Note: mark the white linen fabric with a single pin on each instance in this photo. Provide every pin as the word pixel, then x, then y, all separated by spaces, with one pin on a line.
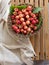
pixel 22 50
pixel 13 52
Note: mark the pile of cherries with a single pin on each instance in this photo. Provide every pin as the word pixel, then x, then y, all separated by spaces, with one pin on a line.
pixel 24 21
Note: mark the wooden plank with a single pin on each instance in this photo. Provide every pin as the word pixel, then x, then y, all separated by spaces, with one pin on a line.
pixel 36 3
pixel 17 2
pixel 37 38
pixel 21 1
pixel 32 41
pixel 42 36
pixel 32 2
pixel 46 29
pixel 26 1
pixel 41 45
pixel 37 45
pixel 12 2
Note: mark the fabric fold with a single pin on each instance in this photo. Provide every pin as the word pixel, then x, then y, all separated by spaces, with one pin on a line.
pixel 6 56
pixel 9 42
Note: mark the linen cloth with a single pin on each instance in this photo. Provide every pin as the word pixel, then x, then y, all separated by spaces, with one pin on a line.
pixel 13 52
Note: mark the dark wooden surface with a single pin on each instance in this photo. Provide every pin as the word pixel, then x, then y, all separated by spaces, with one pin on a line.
pixel 40 62
pixel 45 62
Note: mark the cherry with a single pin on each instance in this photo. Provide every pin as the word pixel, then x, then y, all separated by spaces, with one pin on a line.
pixel 16 10
pixel 23 10
pixel 35 27
pixel 18 21
pixel 33 15
pixel 31 25
pixel 33 22
pixel 37 20
pixel 31 19
pixel 29 29
pixel 14 27
pixel 26 13
pixel 32 31
pixel 12 17
pixel 15 13
pixel 21 15
pixel 22 30
pixel 25 32
pixel 18 30
pixel 22 19
pixel 27 22
pixel 29 8
pixel 17 17
pixel 19 12
pixel 27 16
pixel 29 12
pixel 23 23
pixel 25 27
pixel 13 21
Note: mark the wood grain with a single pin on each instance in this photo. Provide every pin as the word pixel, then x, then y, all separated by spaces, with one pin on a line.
pixel 37 38
pixel 46 29
pixel 21 1
pixel 42 35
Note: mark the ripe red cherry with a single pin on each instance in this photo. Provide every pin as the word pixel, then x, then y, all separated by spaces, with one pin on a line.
pixel 19 12
pixel 14 27
pixel 15 13
pixel 16 10
pixel 29 12
pixel 28 19
pixel 23 23
pixel 31 25
pixel 33 22
pixel 18 30
pixel 37 20
pixel 17 17
pixel 26 13
pixel 25 32
pixel 18 22
pixel 31 19
pixel 13 21
pixel 35 27
pixel 21 15
pixel 12 17
pixel 27 22
pixel 29 29
pixel 33 15
pixel 27 16
pixel 25 27
pixel 32 31
pixel 22 30
pixel 29 8
pixel 20 26
pixel 22 19
pixel 23 10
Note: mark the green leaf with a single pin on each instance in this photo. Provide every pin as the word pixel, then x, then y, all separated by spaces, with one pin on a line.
pixel 21 7
pixel 40 23
pixel 37 9
pixel 12 9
